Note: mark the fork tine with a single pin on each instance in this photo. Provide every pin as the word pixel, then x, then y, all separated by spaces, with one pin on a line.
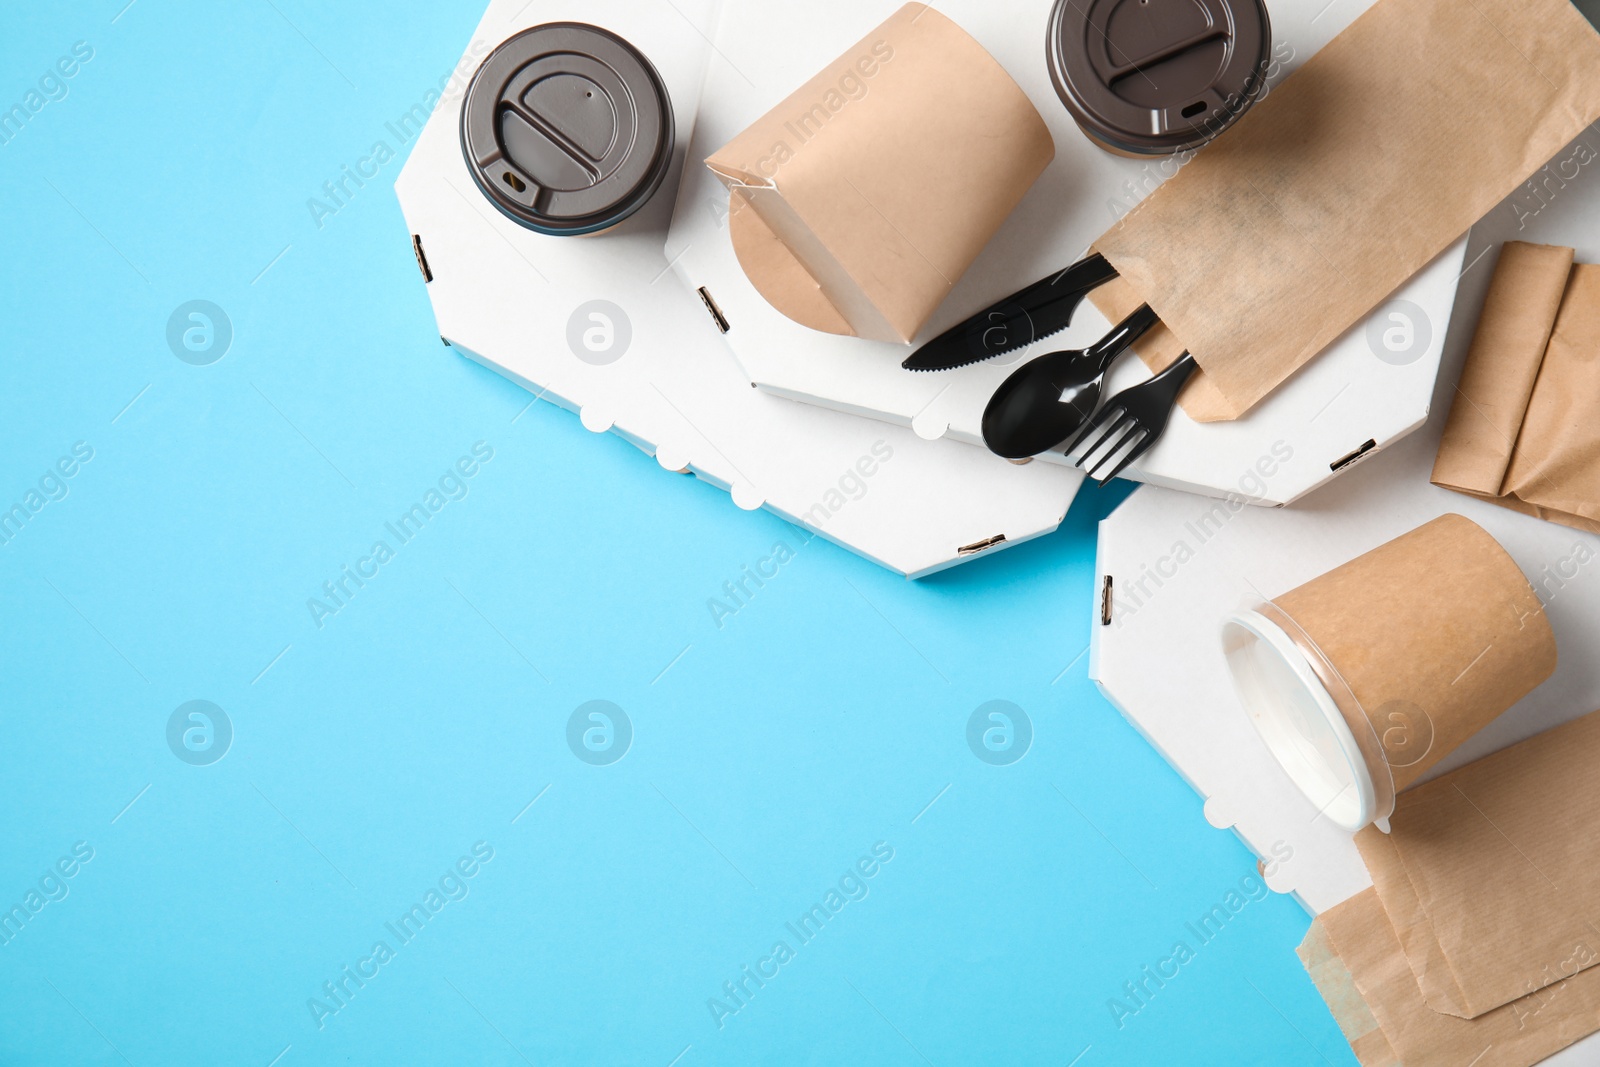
pixel 1131 437
pixel 1110 420
pixel 1139 448
pixel 1140 413
pixel 1089 426
pixel 1119 431
pixel 1098 420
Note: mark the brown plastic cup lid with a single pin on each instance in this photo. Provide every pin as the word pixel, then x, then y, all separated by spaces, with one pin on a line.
pixel 1155 76
pixel 567 128
pixel 1589 9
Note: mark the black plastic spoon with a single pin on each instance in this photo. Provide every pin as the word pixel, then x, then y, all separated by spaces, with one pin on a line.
pixel 1048 399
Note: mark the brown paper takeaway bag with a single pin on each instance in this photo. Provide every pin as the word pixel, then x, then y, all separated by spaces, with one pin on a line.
pixel 860 200
pixel 1485 896
pixel 1354 959
pixel 1348 178
pixel 1491 874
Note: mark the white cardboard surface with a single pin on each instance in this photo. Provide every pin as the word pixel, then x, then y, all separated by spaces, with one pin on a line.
pixel 1333 407
pixel 506 296
pixel 1180 563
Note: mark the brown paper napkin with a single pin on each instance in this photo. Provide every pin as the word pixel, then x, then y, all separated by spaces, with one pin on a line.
pixel 1496 384
pixel 1357 964
pixel 1479 906
pixel 1331 975
pixel 1557 463
pixel 1524 431
pixel 1491 874
pixel 1353 174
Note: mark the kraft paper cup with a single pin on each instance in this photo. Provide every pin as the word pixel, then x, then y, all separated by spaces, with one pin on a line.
pixel 1363 679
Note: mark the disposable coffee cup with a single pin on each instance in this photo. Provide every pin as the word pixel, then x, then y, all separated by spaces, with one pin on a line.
pixel 567 129
pixel 1154 77
pixel 1362 680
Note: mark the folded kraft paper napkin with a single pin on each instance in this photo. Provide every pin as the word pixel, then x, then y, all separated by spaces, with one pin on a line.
pixel 860 200
pixel 1348 178
pixel 1524 430
pixel 1357 965
pixel 1491 874
pixel 1478 940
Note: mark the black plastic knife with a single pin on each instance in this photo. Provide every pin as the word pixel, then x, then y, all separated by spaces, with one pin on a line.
pixel 1043 308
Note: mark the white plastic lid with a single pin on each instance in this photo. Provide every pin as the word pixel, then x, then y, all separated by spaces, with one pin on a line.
pixel 1298 719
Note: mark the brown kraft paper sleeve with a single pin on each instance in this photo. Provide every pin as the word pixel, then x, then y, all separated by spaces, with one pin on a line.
pixel 1502 365
pixel 1356 939
pixel 1436 633
pixel 1159 349
pixel 1349 177
pixel 1491 874
pixel 1400 902
pixel 1338 988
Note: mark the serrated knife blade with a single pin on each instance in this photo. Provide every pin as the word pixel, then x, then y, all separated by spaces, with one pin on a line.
pixel 1046 307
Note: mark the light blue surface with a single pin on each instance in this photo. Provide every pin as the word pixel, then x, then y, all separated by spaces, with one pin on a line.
pixel 371 754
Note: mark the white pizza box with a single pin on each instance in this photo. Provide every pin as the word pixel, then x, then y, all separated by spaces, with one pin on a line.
pixel 652 368
pixel 1350 401
pixel 1178 564
pixel 1160 660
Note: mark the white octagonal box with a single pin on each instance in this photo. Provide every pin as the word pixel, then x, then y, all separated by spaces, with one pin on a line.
pixel 600 325
pixel 1171 566
pixel 1354 400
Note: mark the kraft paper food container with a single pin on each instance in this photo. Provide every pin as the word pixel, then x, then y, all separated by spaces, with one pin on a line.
pixel 567 129
pixel 860 200
pixel 1154 77
pixel 1363 679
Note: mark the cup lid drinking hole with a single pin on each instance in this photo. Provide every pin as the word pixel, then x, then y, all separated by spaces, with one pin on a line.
pixel 567 128
pixel 1154 76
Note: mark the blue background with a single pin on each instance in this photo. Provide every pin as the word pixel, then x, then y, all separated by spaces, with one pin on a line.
pixel 369 755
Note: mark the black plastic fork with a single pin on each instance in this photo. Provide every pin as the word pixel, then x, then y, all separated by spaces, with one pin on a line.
pixel 1133 420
